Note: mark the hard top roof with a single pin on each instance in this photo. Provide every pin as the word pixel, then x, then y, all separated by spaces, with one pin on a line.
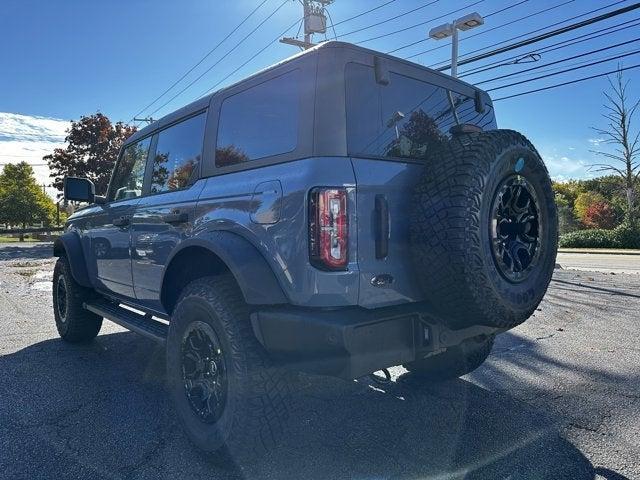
pixel 203 102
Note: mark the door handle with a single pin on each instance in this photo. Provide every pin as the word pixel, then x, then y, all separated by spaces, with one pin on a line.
pixel 121 221
pixel 176 217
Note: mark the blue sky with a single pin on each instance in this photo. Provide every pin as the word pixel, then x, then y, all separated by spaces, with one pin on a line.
pixel 65 58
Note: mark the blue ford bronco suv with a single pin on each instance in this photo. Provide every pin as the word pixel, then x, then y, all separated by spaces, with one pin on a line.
pixel 340 212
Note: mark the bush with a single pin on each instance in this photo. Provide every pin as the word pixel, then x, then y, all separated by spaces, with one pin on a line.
pixel 623 236
pixel 627 235
pixel 596 238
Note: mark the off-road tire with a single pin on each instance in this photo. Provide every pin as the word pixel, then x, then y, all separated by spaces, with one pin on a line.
pixel 259 392
pixel 450 234
pixel 453 362
pixel 75 324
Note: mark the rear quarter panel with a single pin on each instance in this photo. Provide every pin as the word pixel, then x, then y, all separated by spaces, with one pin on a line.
pixel 277 224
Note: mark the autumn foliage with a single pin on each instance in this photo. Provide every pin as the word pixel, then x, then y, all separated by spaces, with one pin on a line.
pixel 93 143
pixel 600 215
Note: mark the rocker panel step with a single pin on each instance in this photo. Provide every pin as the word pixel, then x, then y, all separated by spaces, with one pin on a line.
pixel 142 324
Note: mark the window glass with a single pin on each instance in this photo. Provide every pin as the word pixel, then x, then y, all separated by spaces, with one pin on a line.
pixel 177 154
pixel 129 174
pixel 407 118
pixel 259 122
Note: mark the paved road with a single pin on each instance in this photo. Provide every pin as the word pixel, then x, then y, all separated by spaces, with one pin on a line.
pixel 598 262
pixel 559 398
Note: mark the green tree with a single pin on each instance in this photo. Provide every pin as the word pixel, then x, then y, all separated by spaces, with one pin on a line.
pixel 22 201
pixel 93 144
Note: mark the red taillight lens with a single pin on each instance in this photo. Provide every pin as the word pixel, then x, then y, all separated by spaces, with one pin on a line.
pixel 328 228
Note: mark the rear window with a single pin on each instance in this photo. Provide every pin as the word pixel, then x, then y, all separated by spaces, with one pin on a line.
pixel 407 118
pixel 259 122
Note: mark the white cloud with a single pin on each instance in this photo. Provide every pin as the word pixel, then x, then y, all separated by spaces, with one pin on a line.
pixel 562 168
pixel 29 138
pixel 595 141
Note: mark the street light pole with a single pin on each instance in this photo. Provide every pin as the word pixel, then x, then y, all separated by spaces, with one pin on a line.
pixel 454 53
pixel 451 30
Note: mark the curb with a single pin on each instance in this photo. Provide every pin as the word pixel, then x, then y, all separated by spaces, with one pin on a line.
pixel 605 251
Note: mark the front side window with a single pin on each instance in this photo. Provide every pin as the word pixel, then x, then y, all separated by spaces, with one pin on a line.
pixel 259 122
pixel 129 174
pixel 178 154
pixel 408 118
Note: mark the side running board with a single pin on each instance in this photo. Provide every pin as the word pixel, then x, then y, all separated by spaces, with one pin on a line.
pixel 142 324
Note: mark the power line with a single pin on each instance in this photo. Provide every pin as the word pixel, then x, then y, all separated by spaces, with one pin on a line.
pixel 570 82
pixel 563 71
pixel 543 36
pixel 30 164
pixel 559 61
pixel 509 7
pixel 20 156
pixel 418 24
pixel 197 64
pixel 388 19
pixel 363 13
pixel 485 16
pixel 221 58
pixel 550 48
pixel 573 64
pixel 506 24
pixel 252 58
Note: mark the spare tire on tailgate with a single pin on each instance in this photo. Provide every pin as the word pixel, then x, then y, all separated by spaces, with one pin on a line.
pixel 484 229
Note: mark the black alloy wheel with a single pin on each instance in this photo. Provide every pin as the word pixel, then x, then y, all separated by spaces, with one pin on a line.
pixel 204 372
pixel 61 299
pixel 515 228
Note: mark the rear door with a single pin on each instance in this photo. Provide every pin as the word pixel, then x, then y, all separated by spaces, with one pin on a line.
pixel 109 232
pixel 395 130
pixel 164 217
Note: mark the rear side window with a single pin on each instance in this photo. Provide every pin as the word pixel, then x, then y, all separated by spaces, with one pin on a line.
pixel 129 173
pixel 408 118
pixel 178 154
pixel 259 122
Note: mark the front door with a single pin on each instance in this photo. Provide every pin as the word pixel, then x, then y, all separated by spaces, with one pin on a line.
pixel 164 218
pixel 110 234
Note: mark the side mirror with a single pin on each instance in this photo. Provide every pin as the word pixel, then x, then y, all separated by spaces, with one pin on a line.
pixel 79 189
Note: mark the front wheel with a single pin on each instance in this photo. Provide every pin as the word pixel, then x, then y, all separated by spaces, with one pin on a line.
pixel 75 324
pixel 226 391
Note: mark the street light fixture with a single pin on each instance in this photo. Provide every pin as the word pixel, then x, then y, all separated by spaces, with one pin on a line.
pixel 451 30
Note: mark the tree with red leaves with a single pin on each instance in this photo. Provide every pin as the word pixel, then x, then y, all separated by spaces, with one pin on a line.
pixel 600 215
pixel 93 143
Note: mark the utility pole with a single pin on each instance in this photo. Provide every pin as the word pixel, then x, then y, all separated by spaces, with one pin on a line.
pixel 315 21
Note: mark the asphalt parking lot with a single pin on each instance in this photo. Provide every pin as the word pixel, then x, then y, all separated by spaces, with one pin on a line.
pixel 558 398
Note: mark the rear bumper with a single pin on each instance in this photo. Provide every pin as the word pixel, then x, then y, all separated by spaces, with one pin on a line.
pixel 352 342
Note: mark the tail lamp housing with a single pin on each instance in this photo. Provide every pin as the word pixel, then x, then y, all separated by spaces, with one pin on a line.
pixel 328 228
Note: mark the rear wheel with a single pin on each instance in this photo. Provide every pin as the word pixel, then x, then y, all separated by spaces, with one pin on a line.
pixel 453 362
pixel 226 391
pixel 75 324
pixel 484 230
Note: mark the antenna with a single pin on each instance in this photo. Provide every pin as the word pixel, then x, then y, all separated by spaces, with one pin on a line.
pixel 315 21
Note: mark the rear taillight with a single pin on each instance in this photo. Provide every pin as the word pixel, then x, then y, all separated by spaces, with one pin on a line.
pixel 328 228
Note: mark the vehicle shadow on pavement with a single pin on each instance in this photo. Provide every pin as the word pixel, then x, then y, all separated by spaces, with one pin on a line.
pixel 100 411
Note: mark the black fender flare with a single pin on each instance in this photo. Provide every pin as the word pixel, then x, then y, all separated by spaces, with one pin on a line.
pixel 69 245
pixel 255 277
